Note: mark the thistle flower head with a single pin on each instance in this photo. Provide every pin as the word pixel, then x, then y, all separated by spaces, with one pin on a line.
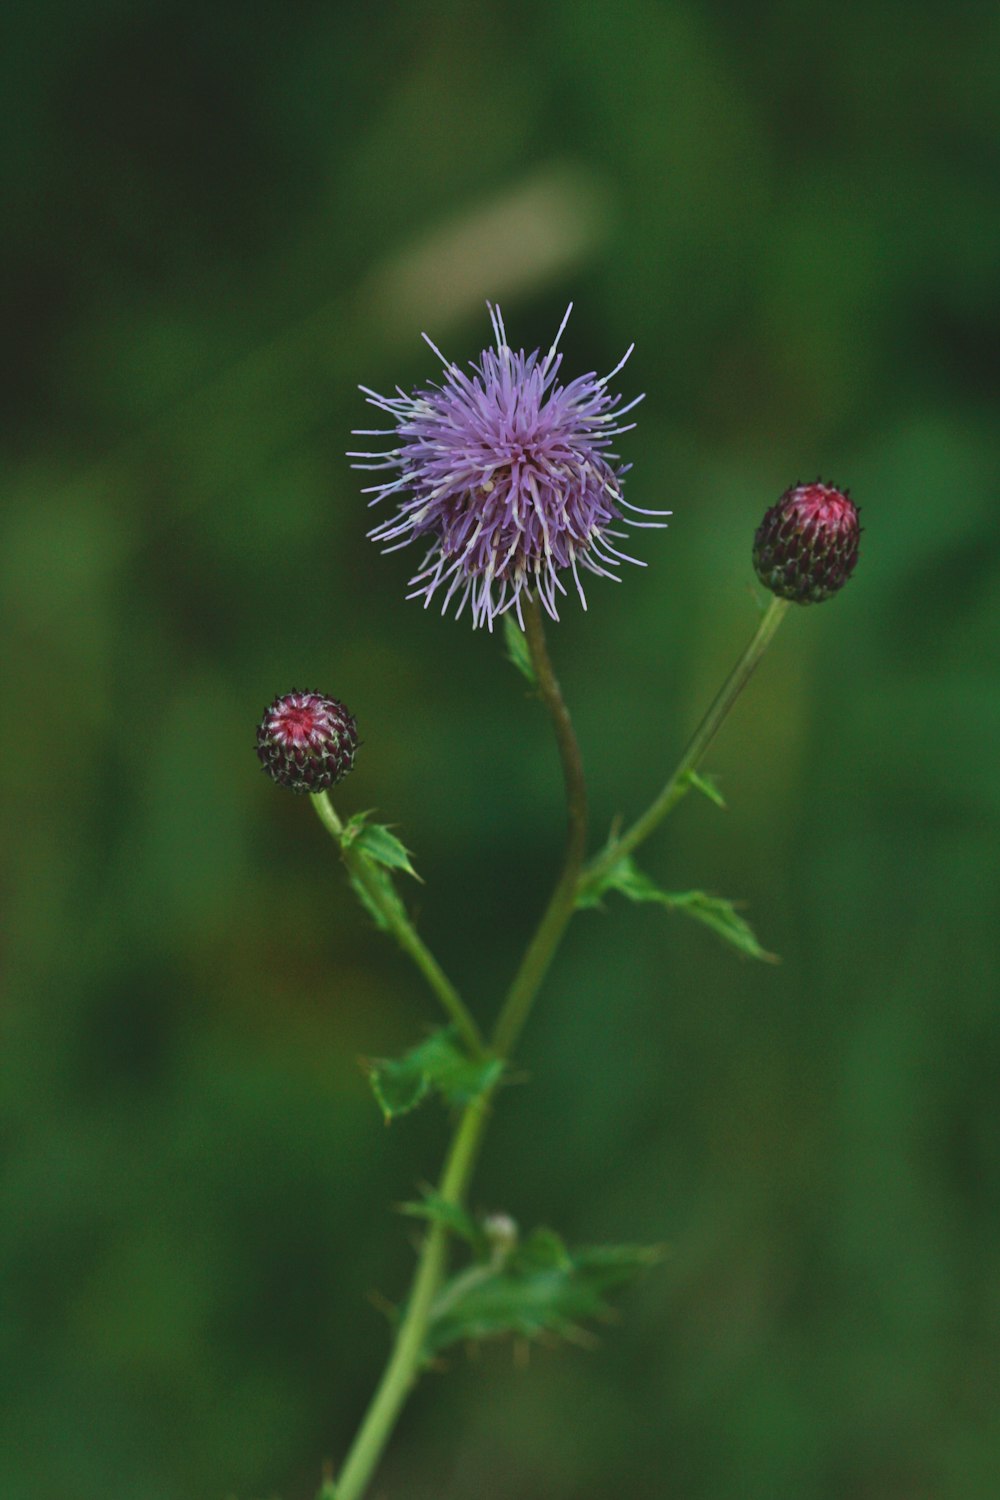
pixel 509 477
pixel 306 741
pixel 806 547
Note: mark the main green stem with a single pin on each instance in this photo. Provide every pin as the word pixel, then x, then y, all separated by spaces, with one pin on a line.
pixel 699 742
pixel 402 929
pixel 401 1372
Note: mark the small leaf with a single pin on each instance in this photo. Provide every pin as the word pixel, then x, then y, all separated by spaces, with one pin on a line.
pixel 539 1288
pixel 397 1089
pixel 378 841
pixel 381 844
pixel 724 920
pixel 714 911
pixel 353 827
pixel 451 1216
pixel 706 785
pixel 543 1247
pixel 437 1065
pixel 517 648
pixel 626 877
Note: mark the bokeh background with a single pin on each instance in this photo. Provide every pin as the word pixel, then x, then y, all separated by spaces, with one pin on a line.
pixel 218 220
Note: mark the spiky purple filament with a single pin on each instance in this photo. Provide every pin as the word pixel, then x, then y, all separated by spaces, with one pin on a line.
pixel 510 474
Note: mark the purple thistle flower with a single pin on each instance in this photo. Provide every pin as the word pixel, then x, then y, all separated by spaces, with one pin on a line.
pixel 509 475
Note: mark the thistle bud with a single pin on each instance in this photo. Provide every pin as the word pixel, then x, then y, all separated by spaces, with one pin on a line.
pixel 807 545
pixel 306 741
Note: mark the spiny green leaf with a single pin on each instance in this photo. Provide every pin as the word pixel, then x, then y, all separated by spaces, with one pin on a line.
pixel 713 911
pixel 451 1216
pixel 397 1089
pixel 626 877
pixel 353 826
pixel 540 1288
pixel 437 1065
pixel 517 648
pixel 378 841
pixel 381 844
pixel 706 785
pixel 542 1249
pixel 724 920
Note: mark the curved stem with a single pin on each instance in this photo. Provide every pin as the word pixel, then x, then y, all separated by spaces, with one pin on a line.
pixel 540 951
pixel 393 914
pixel 679 782
pixel 407 1355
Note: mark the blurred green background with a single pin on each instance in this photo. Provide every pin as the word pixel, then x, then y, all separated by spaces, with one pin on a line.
pixel 218 221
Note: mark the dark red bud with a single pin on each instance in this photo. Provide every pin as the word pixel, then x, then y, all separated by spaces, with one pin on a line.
pixel 806 547
pixel 306 741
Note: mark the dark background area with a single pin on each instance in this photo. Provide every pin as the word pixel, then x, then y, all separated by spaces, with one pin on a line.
pixel 217 222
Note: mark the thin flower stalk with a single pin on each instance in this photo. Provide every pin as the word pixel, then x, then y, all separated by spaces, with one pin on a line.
pixel 680 782
pixel 398 923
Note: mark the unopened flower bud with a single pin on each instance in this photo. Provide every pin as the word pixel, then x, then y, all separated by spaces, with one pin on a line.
pixel 807 545
pixel 306 741
pixel 502 1232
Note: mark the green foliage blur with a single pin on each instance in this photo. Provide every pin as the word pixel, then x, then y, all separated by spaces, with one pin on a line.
pixel 218 221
